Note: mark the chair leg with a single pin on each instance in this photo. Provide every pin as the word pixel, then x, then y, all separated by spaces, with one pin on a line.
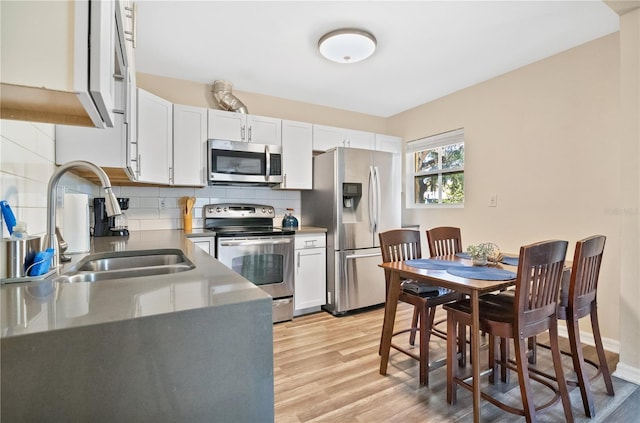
pixel 462 344
pixel 452 370
pixel 523 379
pixel 414 324
pixel 424 345
pixel 604 367
pixel 504 357
pixel 533 350
pixel 557 364
pixel 578 365
pixel 492 359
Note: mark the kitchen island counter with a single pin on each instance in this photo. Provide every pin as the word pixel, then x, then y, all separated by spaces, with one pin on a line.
pixel 187 346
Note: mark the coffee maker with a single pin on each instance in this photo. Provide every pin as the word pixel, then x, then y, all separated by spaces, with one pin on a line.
pixel 109 225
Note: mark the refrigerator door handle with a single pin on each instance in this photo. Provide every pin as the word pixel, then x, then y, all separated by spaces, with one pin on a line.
pixel 372 181
pixel 352 256
pixel 377 199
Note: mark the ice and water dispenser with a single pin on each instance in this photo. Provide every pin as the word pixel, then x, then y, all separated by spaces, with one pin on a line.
pixel 351 194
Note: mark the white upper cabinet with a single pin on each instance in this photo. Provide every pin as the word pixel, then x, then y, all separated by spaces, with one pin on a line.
pixel 327 137
pixel 189 142
pixel 155 138
pixel 54 69
pixel 389 143
pixel 228 126
pixel 113 148
pixel 264 130
pixel 233 126
pixel 297 155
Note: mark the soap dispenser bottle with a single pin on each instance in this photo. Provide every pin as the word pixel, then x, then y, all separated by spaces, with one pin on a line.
pixel 289 220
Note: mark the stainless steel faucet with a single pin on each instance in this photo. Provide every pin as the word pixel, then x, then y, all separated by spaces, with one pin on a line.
pixel 111 202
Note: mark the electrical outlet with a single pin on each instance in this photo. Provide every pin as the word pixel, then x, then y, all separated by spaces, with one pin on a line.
pixel 162 203
pixel 493 200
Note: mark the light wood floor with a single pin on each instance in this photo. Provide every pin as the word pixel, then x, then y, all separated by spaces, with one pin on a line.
pixel 326 370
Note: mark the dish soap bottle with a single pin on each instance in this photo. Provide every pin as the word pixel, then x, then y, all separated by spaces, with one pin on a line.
pixel 19 231
pixel 289 220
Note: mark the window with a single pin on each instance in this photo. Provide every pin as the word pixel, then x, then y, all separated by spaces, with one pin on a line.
pixel 435 170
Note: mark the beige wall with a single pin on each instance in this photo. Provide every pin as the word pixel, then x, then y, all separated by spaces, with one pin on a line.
pixel 543 139
pixel 629 365
pixel 198 94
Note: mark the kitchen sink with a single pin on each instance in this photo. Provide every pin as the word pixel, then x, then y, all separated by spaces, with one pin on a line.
pixel 127 264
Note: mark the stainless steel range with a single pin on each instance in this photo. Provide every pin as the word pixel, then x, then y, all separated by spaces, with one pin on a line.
pixel 247 242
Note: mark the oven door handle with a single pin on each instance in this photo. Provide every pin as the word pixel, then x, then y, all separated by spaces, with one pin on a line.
pixel 232 243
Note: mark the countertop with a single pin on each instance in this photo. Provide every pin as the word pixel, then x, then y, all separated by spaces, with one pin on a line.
pixel 192 346
pixel 42 306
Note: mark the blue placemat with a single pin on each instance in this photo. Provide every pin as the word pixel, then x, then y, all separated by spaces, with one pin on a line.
pixel 483 273
pixel 433 264
pixel 511 261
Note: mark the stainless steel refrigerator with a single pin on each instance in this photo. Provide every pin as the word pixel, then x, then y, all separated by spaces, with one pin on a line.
pixel 356 195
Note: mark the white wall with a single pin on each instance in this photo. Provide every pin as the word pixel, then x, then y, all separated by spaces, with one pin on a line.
pixel 27 153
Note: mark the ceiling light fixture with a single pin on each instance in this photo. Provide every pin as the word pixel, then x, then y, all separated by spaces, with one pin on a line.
pixel 347 45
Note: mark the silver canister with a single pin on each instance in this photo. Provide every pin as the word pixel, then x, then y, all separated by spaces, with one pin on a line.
pixel 17 254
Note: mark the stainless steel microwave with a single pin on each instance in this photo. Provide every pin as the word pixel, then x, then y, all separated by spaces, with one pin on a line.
pixel 231 162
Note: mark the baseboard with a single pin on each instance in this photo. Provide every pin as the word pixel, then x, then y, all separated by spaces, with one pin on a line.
pixel 587 338
pixel 628 373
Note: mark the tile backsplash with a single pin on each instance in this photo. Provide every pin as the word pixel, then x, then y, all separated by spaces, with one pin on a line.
pixel 27 158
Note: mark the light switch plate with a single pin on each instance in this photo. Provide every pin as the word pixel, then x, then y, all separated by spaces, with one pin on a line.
pixel 493 200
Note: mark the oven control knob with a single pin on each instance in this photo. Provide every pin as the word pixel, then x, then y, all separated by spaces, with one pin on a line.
pixel 270 211
pixel 225 209
pixel 218 210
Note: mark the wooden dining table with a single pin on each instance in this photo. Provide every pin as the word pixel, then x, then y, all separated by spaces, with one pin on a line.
pixel 474 288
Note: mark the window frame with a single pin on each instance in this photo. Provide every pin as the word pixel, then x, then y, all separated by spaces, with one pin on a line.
pixel 455 136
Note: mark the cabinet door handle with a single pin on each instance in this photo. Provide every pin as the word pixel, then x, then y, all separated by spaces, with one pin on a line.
pixel 250 133
pixel 242 133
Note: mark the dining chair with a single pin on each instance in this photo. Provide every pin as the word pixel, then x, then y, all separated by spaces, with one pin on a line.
pixel 578 299
pixel 444 240
pixel 400 245
pixel 532 312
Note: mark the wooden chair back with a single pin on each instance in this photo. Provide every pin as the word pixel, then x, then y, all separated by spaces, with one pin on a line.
pixel 400 245
pixel 444 240
pixel 540 269
pixel 583 284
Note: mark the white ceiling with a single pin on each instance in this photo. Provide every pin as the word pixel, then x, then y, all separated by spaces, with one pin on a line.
pixel 426 49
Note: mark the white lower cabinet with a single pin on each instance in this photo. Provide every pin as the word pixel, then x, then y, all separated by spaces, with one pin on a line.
pixel 310 272
pixel 206 244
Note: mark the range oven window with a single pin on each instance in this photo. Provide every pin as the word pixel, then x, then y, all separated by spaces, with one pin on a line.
pixel 261 269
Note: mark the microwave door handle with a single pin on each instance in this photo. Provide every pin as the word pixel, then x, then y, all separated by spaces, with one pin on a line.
pixel 268 159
